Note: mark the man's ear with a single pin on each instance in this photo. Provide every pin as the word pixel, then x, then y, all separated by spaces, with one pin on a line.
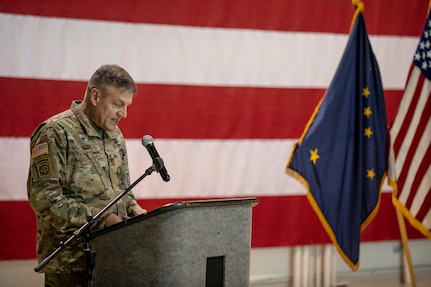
pixel 94 96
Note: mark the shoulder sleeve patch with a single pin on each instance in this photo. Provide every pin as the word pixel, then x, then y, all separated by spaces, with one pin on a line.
pixel 43 168
pixel 40 149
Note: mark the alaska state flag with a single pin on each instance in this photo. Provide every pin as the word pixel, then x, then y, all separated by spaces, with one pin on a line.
pixel 341 155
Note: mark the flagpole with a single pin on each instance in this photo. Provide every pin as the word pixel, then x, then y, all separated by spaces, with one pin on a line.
pixel 406 249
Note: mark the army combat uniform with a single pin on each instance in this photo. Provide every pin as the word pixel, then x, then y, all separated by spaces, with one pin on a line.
pixel 76 169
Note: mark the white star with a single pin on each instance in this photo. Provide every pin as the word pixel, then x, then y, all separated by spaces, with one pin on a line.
pixel 424 65
pixel 417 57
pixel 429 54
pixel 427 44
pixel 422 45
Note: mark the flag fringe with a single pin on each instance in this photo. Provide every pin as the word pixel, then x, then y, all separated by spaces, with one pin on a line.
pixel 405 211
pixel 373 213
pixel 310 121
pixel 326 226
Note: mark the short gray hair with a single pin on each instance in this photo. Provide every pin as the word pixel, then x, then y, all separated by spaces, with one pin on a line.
pixel 111 76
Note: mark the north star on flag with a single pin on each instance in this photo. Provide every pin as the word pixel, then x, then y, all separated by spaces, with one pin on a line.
pixel 341 156
pixel 410 134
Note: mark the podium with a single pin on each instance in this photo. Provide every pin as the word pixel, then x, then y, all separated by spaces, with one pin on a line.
pixel 195 243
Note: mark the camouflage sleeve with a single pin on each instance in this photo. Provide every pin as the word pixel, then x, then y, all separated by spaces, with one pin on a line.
pixel 46 183
pixel 133 208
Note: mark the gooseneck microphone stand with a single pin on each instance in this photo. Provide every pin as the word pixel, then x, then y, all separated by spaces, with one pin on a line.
pixel 84 230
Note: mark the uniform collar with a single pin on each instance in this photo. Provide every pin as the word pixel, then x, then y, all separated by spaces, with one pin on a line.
pixel 89 126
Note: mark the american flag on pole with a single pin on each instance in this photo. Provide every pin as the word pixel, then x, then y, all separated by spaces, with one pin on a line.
pixel 410 158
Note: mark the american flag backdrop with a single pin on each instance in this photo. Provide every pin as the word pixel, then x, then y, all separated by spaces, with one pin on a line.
pixel 225 89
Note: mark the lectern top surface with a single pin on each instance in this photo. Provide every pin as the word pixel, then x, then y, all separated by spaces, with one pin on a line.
pixel 251 201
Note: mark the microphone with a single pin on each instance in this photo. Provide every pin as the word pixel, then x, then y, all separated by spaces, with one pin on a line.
pixel 148 142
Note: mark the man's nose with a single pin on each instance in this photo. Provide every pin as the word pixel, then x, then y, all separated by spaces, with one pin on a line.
pixel 123 112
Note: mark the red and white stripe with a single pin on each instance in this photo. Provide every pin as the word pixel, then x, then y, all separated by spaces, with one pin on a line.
pixel 411 137
pixel 225 89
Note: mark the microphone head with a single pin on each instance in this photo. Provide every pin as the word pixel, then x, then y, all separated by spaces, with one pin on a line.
pixel 147 140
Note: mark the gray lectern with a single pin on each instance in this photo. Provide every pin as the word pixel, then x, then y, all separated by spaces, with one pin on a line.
pixel 184 244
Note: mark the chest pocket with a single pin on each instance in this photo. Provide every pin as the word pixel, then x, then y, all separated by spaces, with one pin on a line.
pixel 108 158
pixel 87 163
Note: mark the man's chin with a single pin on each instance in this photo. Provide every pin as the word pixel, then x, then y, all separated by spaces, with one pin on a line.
pixel 110 128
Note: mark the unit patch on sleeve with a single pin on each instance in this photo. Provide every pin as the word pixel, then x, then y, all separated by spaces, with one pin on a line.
pixel 43 167
pixel 40 149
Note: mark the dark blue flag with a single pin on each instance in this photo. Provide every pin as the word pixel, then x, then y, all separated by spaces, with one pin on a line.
pixel 341 156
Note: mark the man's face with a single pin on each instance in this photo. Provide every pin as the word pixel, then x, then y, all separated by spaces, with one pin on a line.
pixel 110 107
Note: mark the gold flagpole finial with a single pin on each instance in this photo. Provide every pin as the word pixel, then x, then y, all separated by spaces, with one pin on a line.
pixel 359 5
pixel 359 8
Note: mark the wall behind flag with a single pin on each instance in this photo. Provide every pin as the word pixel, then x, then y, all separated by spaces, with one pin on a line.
pixel 225 89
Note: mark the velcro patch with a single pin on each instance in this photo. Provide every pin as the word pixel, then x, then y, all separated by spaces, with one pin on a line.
pixel 43 167
pixel 40 149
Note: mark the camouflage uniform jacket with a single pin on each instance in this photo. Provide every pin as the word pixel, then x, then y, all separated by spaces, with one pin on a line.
pixel 76 169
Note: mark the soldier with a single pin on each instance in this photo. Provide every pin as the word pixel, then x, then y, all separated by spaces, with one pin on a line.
pixel 78 165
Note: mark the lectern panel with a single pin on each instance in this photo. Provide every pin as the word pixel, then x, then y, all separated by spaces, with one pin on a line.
pixel 171 248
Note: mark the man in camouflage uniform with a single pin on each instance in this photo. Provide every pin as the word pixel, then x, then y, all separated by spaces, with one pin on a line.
pixel 78 165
